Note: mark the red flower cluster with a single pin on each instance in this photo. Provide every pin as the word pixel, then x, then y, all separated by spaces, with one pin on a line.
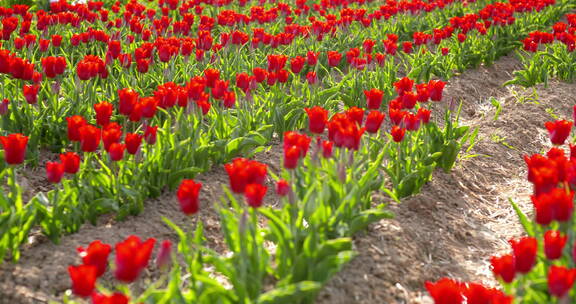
pixel 448 291
pixel 295 147
pixel 131 257
pixel 247 177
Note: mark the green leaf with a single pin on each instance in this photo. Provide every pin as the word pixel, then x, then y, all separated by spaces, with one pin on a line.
pixel 526 223
pixel 290 294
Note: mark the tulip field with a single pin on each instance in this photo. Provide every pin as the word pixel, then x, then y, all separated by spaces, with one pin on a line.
pixel 334 151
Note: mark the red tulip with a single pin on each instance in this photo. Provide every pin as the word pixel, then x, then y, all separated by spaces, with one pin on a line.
pixel 560 280
pixel 150 134
pixel 296 64
pixel 83 279
pixel 150 105
pixel 373 98
pixel 164 255
pixel 244 81
pixel 54 172
pixel 424 115
pixel 229 100
pixel 356 114
pixel 445 291
pixel 504 267
pixel 302 141
pixel 282 187
pixel 132 256
pixel 554 243
pixel 31 93
pixel 128 98
pixel 242 172
pixel 409 100
pixel 291 157
pixel 559 131
pixel 312 78
pixel 525 251
pixel 311 58
pixel 133 142
pixel 56 40
pixel 397 133
pixel 327 148
pixel 318 117
pixel 116 151
pixel 404 85
pixel 435 87
pixel 554 205
pixel 71 162
pixel 334 58
pixel 260 74
pixel 407 47
pixel 89 138
pixel 188 196
pixel 96 254
pixel 103 113
pixel 255 194
pixel 374 121
pixel 74 124
pixel 445 51
pixel 212 75
pixel 14 148
pixel 115 298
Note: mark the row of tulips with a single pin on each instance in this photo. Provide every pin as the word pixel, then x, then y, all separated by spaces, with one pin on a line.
pixel 92 66
pixel 112 183
pixel 549 54
pixel 540 267
pixel 325 188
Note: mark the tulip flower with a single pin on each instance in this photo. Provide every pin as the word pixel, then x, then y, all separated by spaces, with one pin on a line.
pixel 317 117
pixel 282 187
pixel 133 142
pixel 132 256
pixel 525 250
pixel 559 131
pixel 504 267
pixel 128 98
pixel 296 64
pixel 96 254
pixel 327 147
pixel 14 148
pixel 116 151
pixel 150 134
pixel 71 162
pixel 374 121
pixel 115 298
pixel 435 87
pixel 164 255
pixel 31 93
pixel 255 194
pixel 83 279
pixel 312 78
pixel 560 280
pixel 291 157
pixel 554 243
pixel 397 133
pixel 54 172
pixel 242 172
pixel 404 85
pixel 103 113
pixel 334 58
pixel 373 98
pixel 89 138
pixel 188 196
pixel 445 291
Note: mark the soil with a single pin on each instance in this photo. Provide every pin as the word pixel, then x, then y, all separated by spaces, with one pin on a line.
pixel 451 228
